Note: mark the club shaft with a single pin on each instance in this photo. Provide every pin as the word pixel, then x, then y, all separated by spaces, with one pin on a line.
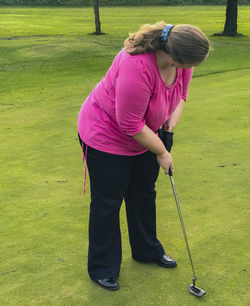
pixel 182 223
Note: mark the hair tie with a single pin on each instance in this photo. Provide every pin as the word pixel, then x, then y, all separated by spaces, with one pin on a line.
pixel 165 32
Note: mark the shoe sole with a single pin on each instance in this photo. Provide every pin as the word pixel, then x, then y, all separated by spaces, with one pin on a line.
pixel 106 287
pixel 166 266
pixel 109 288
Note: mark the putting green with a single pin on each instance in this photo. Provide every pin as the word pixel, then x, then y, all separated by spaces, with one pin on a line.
pixel 48 65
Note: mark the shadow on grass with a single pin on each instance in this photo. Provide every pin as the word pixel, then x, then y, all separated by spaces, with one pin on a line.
pixel 229 35
pixel 97 34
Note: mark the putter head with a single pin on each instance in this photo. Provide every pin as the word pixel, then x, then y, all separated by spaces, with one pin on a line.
pixel 196 291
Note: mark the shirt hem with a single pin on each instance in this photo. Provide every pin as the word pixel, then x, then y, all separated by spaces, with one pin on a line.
pixel 117 151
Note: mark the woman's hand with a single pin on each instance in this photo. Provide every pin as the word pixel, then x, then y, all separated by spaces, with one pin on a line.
pixel 148 139
pixel 165 161
pixel 167 138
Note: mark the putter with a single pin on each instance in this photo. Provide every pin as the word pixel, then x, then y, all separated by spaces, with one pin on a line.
pixel 192 288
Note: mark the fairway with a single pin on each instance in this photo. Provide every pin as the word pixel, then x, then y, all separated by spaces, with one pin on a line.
pixel 48 65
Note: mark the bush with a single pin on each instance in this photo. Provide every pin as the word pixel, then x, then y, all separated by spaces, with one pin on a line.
pixel 115 2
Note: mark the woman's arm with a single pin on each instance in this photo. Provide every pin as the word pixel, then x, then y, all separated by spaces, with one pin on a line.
pixel 148 139
pixel 171 123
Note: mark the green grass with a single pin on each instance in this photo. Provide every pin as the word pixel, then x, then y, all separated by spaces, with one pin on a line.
pixel 48 65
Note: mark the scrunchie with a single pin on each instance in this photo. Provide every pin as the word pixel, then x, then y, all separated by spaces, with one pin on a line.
pixel 165 32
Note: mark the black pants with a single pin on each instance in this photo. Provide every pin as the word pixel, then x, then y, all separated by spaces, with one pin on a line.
pixel 112 179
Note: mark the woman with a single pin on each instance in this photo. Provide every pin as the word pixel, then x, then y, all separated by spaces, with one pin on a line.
pixel 144 89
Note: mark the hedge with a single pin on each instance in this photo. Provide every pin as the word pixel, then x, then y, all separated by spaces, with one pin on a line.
pixel 114 2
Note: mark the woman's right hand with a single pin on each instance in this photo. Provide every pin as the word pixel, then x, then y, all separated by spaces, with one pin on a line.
pixel 165 161
pixel 148 139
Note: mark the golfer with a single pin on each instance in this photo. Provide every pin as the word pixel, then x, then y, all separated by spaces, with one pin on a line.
pixel 144 89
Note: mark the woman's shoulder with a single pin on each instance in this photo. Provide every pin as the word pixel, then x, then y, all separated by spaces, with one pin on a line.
pixel 135 67
pixel 187 73
pixel 143 62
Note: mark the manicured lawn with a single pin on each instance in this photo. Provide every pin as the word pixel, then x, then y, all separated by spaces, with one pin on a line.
pixel 48 65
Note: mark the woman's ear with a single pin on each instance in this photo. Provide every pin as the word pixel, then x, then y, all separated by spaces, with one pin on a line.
pixel 172 61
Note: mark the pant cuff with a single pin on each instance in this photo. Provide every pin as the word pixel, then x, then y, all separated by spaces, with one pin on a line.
pixel 148 257
pixel 103 274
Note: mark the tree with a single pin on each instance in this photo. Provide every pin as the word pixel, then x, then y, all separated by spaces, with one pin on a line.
pixel 230 27
pixel 97 18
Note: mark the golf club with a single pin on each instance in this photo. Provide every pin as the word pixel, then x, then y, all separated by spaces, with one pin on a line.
pixel 192 288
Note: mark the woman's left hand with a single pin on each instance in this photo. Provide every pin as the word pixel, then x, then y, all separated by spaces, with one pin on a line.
pixel 167 138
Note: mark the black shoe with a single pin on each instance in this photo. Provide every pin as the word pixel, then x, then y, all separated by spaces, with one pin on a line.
pixel 166 261
pixel 108 283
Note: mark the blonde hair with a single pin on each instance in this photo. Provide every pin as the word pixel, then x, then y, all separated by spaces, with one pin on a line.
pixel 186 44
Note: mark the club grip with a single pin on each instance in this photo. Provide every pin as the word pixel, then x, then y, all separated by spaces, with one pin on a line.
pixel 170 173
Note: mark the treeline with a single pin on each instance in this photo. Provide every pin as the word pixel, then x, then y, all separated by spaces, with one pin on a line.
pixel 114 2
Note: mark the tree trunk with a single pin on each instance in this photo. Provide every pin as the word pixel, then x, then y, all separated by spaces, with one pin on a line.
pixel 230 27
pixel 97 18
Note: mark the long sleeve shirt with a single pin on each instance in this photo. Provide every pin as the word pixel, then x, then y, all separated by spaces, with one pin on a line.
pixel 131 95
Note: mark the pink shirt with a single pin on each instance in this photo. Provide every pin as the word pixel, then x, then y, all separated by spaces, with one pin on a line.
pixel 131 95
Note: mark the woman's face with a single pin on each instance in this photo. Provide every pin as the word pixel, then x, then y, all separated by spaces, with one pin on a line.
pixel 185 66
pixel 188 66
